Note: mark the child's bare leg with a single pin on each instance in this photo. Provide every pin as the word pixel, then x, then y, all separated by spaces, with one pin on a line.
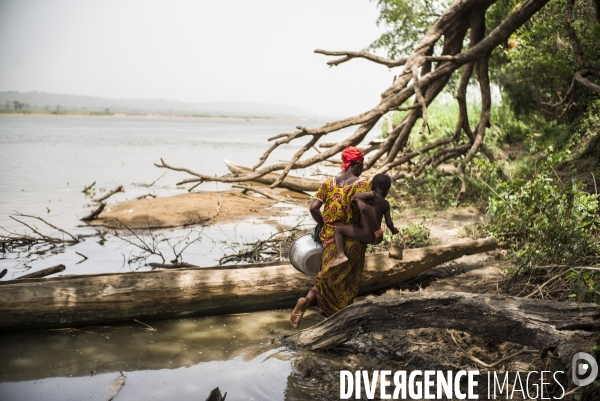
pixel 339 243
pixel 300 308
pixel 363 234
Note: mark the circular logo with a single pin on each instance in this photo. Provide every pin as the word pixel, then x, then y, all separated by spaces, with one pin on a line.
pixel 584 364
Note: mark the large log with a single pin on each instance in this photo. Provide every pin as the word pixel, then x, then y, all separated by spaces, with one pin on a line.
pixel 105 298
pixel 564 327
pixel 291 182
pixel 538 323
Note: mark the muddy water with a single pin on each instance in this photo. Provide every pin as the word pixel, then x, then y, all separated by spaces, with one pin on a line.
pixel 179 359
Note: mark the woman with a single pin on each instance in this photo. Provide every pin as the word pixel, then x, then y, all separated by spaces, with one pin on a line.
pixel 337 286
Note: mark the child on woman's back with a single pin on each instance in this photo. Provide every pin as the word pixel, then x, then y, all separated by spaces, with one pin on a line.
pixel 373 207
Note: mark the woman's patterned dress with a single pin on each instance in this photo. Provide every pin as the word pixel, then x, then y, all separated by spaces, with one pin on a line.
pixel 336 287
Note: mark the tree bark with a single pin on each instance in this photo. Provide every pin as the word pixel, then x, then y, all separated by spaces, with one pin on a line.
pixel 104 298
pixel 546 325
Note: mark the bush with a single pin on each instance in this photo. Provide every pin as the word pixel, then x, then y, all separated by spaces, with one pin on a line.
pixel 416 234
pixel 550 222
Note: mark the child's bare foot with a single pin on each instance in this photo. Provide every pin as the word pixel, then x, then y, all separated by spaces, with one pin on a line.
pixel 339 260
pixel 298 312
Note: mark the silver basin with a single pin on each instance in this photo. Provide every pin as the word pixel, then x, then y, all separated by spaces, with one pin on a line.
pixel 306 255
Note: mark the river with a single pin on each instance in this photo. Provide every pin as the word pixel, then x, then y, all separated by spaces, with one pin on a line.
pixel 45 162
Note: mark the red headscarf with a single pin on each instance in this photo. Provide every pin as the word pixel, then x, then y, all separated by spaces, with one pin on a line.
pixel 350 155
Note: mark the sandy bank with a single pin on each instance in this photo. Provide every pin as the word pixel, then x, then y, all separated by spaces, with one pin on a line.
pixel 184 210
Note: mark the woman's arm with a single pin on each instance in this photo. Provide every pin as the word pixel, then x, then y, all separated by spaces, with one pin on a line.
pixel 388 220
pixel 315 211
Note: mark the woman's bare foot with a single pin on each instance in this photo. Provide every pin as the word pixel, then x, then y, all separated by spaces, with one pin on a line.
pixel 298 312
pixel 339 260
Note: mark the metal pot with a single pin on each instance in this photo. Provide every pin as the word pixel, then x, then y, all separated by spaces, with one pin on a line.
pixel 306 255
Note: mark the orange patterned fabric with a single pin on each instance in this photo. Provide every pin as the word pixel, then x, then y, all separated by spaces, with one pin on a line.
pixel 336 287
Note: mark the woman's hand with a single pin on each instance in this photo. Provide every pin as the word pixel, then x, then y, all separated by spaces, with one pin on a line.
pixel 394 230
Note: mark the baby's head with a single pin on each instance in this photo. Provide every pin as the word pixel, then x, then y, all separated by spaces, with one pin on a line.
pixel 381 184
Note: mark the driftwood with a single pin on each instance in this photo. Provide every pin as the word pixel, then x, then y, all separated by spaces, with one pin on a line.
pixel 86 189
pixel 44 272
pixel 215 395
pixel 291 182
pixel 109 194
pixel 45 237
pixel 264 192
pixel 104 298
pixel 566 327
pixel 95 213
pixel 3 272
pixel 171 265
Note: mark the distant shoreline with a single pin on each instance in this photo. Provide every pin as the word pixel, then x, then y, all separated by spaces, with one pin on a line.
pixel 4 112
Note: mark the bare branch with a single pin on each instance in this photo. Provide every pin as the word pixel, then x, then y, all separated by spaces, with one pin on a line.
pixel 45 237
pixel 574 40
pixel 579 77
pixel 109 194
pixel 451 26
pixel 349 55
pixel 419 97
pixel 294 159
pixel 51 225
pixel 86 189
pixel 95 213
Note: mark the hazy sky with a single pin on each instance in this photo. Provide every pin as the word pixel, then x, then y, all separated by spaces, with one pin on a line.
pixel 194 51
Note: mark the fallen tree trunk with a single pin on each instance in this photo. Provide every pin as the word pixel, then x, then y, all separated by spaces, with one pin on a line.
pixel 105 298
pixel 547 325
pixel 290 182
pixel 44 272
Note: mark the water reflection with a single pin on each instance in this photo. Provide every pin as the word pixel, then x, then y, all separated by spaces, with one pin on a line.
pixel 177 359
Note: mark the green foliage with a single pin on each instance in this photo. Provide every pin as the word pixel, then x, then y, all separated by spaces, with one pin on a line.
pixel 552 223
pixel 585 286
pixel 407 21
pixel 475 230
pixel 416 234
pixel 507 126
pixel 433 188
pixel 538 63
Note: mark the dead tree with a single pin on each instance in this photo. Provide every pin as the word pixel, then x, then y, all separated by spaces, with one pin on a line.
pixel 561 327
pixel 422 77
